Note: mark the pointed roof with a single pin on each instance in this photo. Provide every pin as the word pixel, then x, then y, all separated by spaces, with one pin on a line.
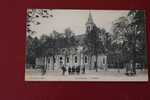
pixel 90 19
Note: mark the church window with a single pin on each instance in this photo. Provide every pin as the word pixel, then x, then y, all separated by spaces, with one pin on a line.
pixel 75 59
pixel 103 60
pixel 67 59
pixel 89 28
pixel 54 59
pixel 85 59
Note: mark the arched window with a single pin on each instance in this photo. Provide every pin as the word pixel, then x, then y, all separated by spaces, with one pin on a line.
pixel 85 59
pixel 54 59
pixel 60 60
pixel 67 59
pixel 76 59
pixel 104 61
pixel 89 28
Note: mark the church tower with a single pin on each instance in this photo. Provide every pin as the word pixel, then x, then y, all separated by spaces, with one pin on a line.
pixel 90 23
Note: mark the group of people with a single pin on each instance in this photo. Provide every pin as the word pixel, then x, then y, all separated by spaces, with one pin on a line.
pixel 73 70
pixel 130 70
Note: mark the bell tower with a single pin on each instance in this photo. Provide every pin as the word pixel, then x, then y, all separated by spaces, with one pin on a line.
pixel 89 24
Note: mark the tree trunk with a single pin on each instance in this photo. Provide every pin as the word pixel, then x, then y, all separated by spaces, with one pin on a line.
pixel 53 62
pixel 90 58
pixel 134 55
pixel 45 63
pixel 96 67
pixel 118 65
pixel 134 67
pixel 65 60
pixel 80 59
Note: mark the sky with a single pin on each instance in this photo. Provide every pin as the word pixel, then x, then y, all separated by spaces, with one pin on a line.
pixel 76 19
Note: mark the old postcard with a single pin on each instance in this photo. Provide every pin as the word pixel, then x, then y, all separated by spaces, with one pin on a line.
pixel 86 45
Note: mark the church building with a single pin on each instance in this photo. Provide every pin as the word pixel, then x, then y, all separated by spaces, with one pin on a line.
pixel 76 56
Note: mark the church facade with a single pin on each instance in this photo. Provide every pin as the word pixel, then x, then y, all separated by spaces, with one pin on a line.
pixel 75 57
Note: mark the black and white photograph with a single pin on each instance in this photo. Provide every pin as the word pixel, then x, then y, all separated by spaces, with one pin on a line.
pixel 86 45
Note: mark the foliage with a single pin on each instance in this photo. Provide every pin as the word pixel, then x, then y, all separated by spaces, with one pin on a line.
pixel 32 18
pixel 129 37
pixel 96 43
pixel 51 45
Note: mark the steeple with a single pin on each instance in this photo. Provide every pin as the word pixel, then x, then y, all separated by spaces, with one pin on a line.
pixel 89 23
pixel 90 19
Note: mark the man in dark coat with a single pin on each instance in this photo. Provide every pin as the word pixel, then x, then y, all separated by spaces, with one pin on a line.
pixel 83 69
pixel 63 70
pixel 78 69
pixel 43 70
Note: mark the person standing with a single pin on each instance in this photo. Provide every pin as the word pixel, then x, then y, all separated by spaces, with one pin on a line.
pixel 63 70
pixel 127 68
pixel 78 70
pixel 83 69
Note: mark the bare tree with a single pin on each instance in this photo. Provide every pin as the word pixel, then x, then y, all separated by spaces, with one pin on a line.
pixel 32 18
